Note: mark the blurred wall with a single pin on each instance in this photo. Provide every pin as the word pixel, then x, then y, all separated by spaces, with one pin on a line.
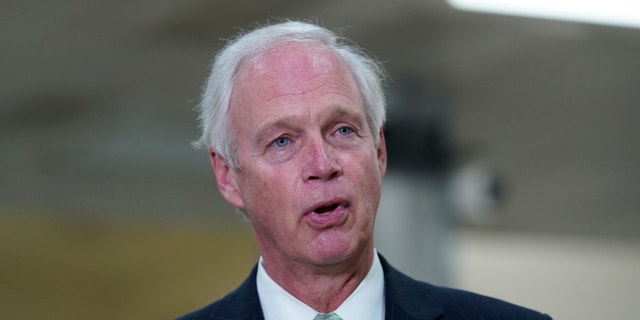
pixel 99 187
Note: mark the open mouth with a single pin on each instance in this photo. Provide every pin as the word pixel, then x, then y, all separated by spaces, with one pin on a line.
pixel 328 214
pixel 326 209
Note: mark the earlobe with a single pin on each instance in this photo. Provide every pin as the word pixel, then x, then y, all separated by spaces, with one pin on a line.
pixel 226 179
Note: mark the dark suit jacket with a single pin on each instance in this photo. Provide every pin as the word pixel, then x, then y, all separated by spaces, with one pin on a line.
pixel 405 299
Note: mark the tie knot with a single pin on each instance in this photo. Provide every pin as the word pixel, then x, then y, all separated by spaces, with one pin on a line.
pixel 327 316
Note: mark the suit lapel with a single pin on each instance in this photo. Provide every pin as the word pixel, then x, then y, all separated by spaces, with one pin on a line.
pixel 403 298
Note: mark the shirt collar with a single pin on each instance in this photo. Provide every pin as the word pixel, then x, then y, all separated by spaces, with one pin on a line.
pixel 366 302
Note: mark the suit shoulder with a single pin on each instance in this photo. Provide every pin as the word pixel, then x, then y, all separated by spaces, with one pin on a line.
pixel 235 305
pixel 415 297
pixel 472 305
pixel 201 314
pixel 242 303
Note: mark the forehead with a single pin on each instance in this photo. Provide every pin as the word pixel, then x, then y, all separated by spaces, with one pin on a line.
pixel 290 59
pixel 294 68
pixel 292 76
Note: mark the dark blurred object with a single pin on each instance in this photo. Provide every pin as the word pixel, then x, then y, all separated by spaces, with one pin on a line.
pixel 417 130
pixel 430 184
pixel 419 143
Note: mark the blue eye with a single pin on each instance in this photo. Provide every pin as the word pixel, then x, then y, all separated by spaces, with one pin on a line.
pixel 345 131
pixel 281 142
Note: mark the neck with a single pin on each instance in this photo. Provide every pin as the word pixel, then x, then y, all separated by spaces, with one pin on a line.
pixel 324 288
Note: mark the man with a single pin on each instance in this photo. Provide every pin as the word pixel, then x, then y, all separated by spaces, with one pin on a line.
pixel 293 120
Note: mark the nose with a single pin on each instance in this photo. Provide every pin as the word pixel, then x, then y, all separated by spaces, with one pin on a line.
pixel 321 162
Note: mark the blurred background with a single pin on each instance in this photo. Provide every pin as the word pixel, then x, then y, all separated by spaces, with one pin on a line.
pixel 514 161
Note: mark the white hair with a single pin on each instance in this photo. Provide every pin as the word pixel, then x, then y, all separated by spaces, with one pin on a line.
pixel 214 104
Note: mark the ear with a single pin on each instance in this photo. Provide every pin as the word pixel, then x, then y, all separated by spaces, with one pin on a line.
pixel 226 177
pixel 382 153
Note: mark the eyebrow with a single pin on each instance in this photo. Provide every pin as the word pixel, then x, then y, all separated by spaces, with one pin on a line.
pixel 286 121
pixel 278 123
pixel 342 112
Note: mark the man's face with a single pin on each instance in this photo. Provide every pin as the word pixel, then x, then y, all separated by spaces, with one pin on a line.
pixel 310 173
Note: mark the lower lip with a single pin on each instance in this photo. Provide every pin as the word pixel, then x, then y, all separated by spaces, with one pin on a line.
pixel 327 220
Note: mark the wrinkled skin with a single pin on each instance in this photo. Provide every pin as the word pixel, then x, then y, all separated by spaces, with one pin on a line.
pixel 310 172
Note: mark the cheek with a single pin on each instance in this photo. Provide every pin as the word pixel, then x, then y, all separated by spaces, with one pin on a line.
pixel 265 194
pixel 370 180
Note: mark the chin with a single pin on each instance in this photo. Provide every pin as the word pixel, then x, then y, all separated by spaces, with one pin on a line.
pixel 333 251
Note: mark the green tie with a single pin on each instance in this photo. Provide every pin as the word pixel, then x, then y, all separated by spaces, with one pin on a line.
pixel 327 316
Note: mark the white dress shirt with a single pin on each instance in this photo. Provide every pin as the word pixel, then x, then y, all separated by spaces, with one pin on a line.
pixel 366 302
